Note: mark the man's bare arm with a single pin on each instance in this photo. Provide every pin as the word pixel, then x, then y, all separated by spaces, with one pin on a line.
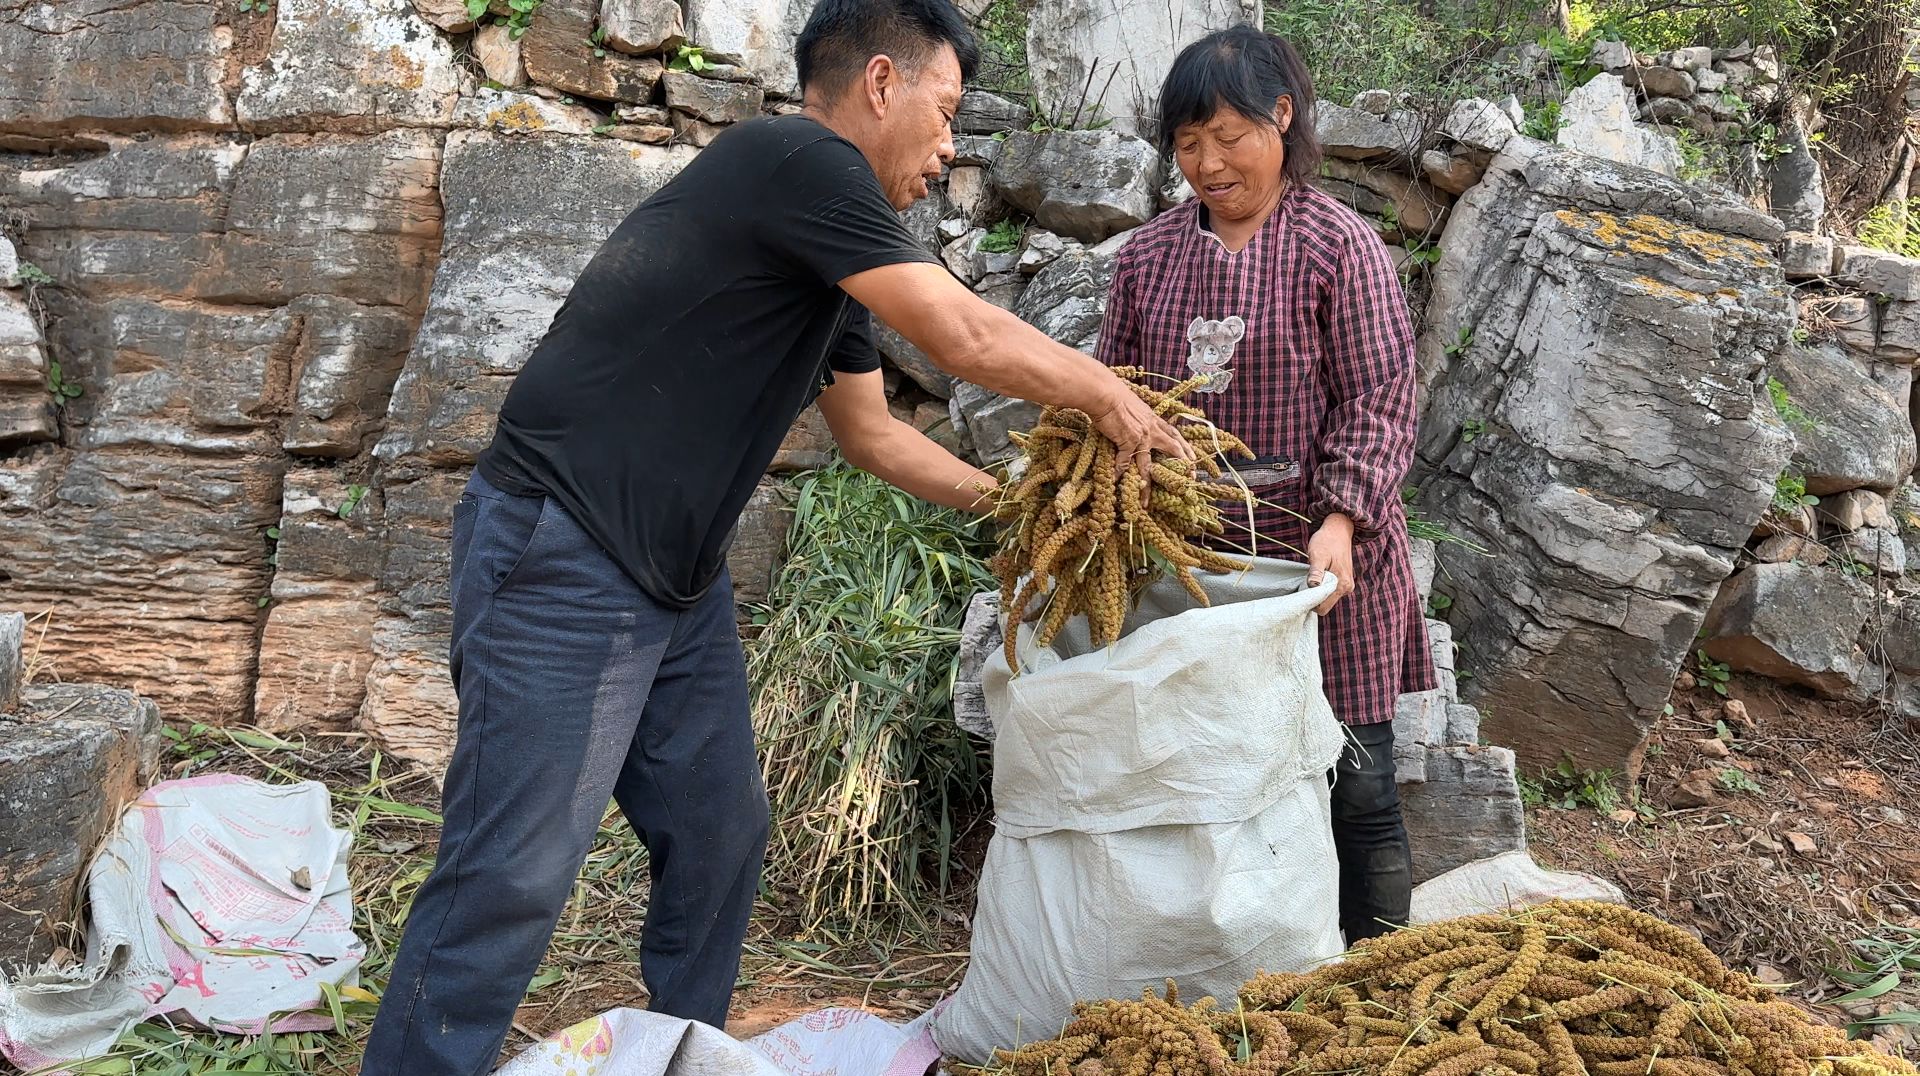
pixel 972 339
pixel 855 406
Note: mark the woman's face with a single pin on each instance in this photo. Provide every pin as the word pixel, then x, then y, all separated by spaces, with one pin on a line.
pixel 1234 164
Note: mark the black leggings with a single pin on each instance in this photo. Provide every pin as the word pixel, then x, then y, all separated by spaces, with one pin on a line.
pixel 1376 865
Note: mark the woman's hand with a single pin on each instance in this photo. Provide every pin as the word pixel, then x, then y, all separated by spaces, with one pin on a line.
pixel 1331 550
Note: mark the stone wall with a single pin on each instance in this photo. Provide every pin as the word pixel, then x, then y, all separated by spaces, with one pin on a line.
pixel 288 261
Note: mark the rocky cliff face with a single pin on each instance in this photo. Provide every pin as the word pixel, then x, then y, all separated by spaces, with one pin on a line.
pixel 276 268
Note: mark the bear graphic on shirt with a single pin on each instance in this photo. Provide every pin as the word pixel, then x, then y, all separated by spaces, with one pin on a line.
pixel 1211 345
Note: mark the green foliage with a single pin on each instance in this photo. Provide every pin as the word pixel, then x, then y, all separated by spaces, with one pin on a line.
pixel 33 276
pixel 1889 227
pixel 253 7
pixel 1423 252
pixel 1355 45
pixel 355 494
pixel 1542 120
pixel 519 14
pixel 1734 779
pixel 597 41
pixel 1784 407
pixel 1790 493
pixel 852 676
pixel 1879 964
pixel 690 58
pixel 1714 674
pixel 1462 340
pixel 1663 25
pixel 60 385
pixel 1002 33
pixel 1567 787
pixel 1438 604
pixel 1004 237
pixel 1700 161
pixel 1471 429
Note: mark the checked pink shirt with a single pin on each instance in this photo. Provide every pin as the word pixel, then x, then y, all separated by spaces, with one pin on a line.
pixel 1306 336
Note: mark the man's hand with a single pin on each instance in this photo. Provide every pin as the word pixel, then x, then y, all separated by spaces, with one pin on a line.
pixel 1331 550
pixel 1137 433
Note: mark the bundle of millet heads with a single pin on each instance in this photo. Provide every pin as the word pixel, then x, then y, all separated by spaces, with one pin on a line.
pixel 1076 538
pixel 1568 988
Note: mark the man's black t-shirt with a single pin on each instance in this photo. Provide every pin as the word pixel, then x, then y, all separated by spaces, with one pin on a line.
pixel 690 343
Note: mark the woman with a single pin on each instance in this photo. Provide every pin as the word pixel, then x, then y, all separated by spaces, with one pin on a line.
pixel 1287 301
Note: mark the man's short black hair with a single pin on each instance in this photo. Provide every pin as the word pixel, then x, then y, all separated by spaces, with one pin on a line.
pixel 842 35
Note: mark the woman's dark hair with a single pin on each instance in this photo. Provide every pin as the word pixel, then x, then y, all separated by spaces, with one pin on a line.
pixel 1248 71
pixel 842 35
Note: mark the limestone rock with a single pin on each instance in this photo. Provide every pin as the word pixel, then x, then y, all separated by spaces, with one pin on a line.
pixel 1805 256
pixel 712 100
pixel 808 445
pixel 645 134
pixel 558 54
pixel 1350 134
pixel 969 259
pixel 1784 548
pixel 694 132
pixel 1852 509
pixel 1899 335
pixel 967 186
pixel 1853 319
pixel 990 417
pixel 155 560
pixel 979 151
pixel 317 645
pixel 363 64
pixel 524 216
pixel 9 264
pixel 13 662
pixel 1661 81
pixel 1898 633
pixel 758 33
pixel 1042 248
pixel 983 113
pixel 1122 49
pixel 1878 272
pixel 1086 184
pixel 1874 549
pixel 1467 809
pixel 760 542
pixel 524 113
pixel 344 367
pixel 1792 622
pixel 1620 324
pixel 1596 119
pixel 643 27
pixel 980 636
pixel 81 64
pixel 410 706
pixel 500 56
pixel 1862 435
pixel 26 406
pixel 1068 298
pixel 1377 102
pixel 911 361
pixel 1796 182
pixel 70 758
pixel 448 15
pixel 1612 56
pixel 1479 125
pixel 1414 205
pixel 1450 173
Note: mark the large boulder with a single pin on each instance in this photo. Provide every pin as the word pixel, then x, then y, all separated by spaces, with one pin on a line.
pixel 1796 186
pixel 357 64
pixel 1792 622
pixel 1086 184
pixel 71 756
pixel 757 33
pixel 1596 340
pixel 124 65
pixel 1353 135
pixel 1467 809
pixel 1597 118
pixel 1861 434
pixel 1106 59
pixel 524 215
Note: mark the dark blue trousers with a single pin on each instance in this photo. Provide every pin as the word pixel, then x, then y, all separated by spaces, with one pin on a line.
pixel 574 687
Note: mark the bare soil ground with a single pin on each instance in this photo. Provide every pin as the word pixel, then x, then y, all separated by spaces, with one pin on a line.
pixel 1779 827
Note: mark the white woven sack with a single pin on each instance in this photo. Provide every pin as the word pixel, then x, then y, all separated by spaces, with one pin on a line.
pixel 1161 810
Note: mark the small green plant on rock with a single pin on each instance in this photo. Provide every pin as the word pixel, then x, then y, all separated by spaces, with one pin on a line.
pixel 519 14
pixel 1790 494
pixel 1784 407
pixel 1714 674
pixel 1462 340
pixel 690 58
pixel 253 7
pixel 33 276
pixel 1003 238
pixel 1567 787
pixel 1471 429
pixel 1734 779
pixel 60 385
pixel 1543 121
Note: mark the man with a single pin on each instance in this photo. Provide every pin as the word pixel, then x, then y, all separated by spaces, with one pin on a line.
pixel 594 644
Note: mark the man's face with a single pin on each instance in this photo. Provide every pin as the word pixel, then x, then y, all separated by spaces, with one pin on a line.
pixel 916 127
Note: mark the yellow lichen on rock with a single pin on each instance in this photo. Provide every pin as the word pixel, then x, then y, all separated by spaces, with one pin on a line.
pixel 519 116
pixel 1647 234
